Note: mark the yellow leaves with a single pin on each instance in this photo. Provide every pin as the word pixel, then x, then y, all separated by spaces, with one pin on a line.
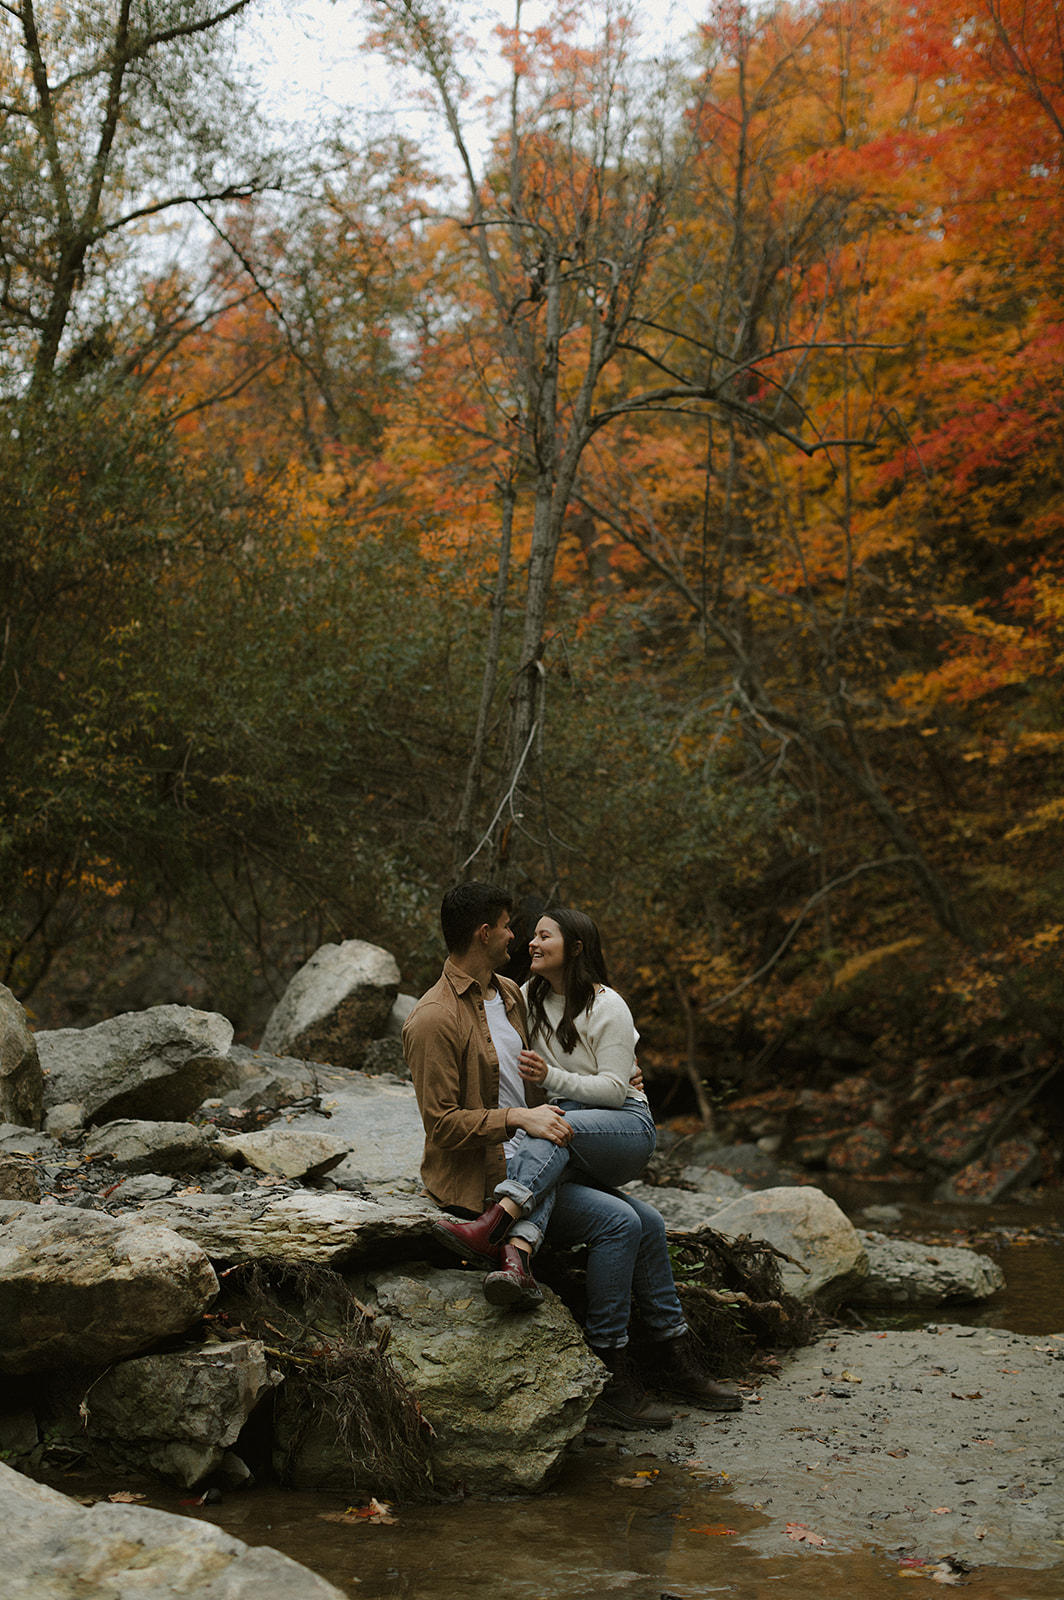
pixel 1038 820
pixel 870 958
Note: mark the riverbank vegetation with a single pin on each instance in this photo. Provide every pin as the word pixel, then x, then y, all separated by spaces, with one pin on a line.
pixel 667 518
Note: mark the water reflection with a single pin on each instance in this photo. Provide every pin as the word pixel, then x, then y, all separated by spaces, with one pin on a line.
pixel 593 1536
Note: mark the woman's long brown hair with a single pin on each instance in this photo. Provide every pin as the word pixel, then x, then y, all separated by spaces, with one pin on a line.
pixel 584 967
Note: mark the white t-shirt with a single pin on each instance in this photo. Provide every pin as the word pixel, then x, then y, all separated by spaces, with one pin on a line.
pixel 508 1046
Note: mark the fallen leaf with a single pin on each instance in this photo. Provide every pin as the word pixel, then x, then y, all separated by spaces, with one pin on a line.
pixel 955 1396
pixel 124 1497
pixel 713 1531
pixel 633 1483
pixel 900 1454
pixel 1010 1372
pixel 376 1511
pixel 803 1535
pixel 653 1473
pixel 461 1305
pixel 941 1511
pixel 851 1377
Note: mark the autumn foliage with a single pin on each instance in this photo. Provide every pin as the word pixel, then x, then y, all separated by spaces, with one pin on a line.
pixel 796 732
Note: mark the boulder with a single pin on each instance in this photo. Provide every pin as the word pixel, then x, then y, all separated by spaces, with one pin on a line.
pixel 684 1211
pixel 157 1063
pixel 283 1152
pixel 385 1055
pixel 747 1163
pixel 1009 1165
pixel 806 1224
pixel 335 1004
pixel 404 1004
pixel 82 1288
pixel 505 1393
pixel 706 1180
pixel 305 1227
pixel 178 1413
pixel 18 1181
pixel 56 1549
pixel 155 1147
pixel 268 1081
pixel 21 1075
pixel 901 1273
pixel 381 1126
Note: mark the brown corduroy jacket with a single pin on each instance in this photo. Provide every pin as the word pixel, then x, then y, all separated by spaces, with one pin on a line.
pixel 456 1075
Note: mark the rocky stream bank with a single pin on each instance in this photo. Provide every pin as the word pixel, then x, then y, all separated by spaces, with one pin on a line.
pixel 216 1267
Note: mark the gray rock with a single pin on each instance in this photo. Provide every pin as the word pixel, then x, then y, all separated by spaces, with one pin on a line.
pixel 21 1077
pixel 684 1211
pixel 505 1393
pixel 18 1181
pixel 19 1141
pixel 748 1163
pixel 335 1004
pixel 158 1147
pixel 708 1181
pixel 806 1224
pixel 159 1063
pixel 269 1081
pixel 284 1152
pixel 404 1004
pixel 901 1273
pixel 56 1549
pixel 83 1288
pixel 380 1124
pixel 177 1414
pixel 303 1227
pixel 147 1187
pixel 385 1055
pixel 881 1216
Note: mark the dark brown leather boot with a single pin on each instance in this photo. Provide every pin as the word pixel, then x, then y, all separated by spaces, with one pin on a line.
pixel 623 1402
pixel 479 1241
pixel 512 1283
pixel 679 1369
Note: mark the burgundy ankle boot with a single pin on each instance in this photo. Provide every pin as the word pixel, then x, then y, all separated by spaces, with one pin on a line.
pixel 480 1241
pixel 512 1283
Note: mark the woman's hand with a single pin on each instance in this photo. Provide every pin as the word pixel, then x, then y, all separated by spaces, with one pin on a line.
pixel 533 1067
pixel 636 1080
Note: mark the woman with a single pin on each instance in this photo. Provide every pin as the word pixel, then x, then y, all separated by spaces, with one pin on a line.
pixel 583 1057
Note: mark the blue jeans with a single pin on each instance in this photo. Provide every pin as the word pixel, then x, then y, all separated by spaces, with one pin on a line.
pixel 609 1146
pixel 627 1254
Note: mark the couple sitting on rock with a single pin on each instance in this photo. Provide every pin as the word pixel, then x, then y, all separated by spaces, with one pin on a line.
pixel 541 1136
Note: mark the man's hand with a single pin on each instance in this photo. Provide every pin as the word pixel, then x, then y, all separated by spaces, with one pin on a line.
pixel 542 1122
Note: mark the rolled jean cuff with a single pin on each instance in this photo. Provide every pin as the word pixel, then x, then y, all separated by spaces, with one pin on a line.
pixel 527 1229
pixel 670 1333
pixel 520 1193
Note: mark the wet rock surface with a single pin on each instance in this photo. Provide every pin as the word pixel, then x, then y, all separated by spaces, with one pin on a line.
pixel 948 1441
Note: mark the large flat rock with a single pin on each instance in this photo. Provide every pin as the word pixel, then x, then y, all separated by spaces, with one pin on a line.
pixel 303 1227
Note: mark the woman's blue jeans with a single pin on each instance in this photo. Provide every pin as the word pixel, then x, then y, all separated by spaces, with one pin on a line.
pixel 609 1146
pixel 625 1238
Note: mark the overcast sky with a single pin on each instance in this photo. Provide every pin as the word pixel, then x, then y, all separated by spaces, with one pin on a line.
pixel 308 56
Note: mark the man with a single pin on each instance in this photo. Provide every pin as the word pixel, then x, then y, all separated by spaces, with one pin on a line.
pixel 463 1042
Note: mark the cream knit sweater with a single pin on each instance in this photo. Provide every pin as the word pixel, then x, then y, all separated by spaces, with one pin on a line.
pixel 598 1069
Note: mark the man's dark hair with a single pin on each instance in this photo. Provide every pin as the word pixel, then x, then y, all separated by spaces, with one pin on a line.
pixel 466 908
